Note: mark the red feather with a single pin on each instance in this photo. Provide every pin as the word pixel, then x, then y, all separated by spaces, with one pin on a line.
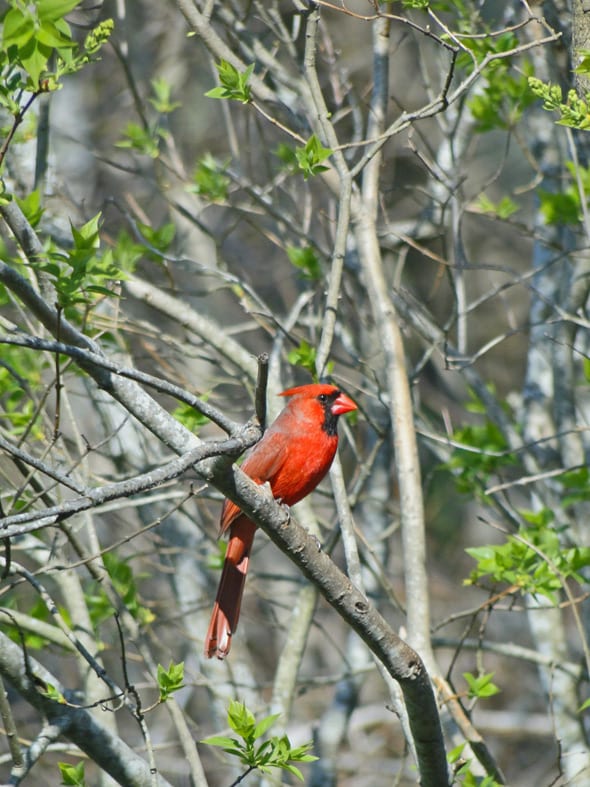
pixel 293 456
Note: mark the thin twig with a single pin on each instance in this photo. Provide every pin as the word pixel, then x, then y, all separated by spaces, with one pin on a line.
pixel 86 356
pixel 21 523
pixel 130 689
pixel 58 383
pixel 261 386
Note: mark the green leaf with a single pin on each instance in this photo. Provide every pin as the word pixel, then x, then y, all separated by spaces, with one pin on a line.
pixel 127 252
pixel 190 417
pixel 287 156
pixel 265 724
pixel 231 745
pixel 124 582
pixel 51 36
pixel 305 258
pixel 142 140
pixel 34 56
pixel 240 719
pixel 210 180
pixel 159 238
pixel 559 207
pixel 18 28
pixel 310 157
pixel 31 207
pixel 540 518
pixel 576 479
pixel 37 612
pixel 481 686
pixel 234 84
pixel 161 100
pixel 125 585
pixel 170 680
pixel 72 774
pixel 303 356
pixel 54 9
pixel 99 607
pixel 455 754
pixel 215 560
pixel 502 209
pixel 293 770
pixel 50 691
pixel 87 237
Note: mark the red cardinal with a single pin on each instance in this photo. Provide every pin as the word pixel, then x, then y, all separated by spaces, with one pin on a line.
pixel 293 456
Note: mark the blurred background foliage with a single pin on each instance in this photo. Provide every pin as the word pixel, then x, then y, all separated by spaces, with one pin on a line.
pixel 175 167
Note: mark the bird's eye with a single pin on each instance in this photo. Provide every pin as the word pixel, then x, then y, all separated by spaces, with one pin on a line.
pixel 323 398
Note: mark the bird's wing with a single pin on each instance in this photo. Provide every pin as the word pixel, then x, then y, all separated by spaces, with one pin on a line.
pixel 262 465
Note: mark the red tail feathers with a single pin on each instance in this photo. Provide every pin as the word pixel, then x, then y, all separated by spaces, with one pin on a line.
pixel 226 611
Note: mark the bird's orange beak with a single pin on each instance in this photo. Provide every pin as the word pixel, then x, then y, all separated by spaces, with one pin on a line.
pixel 342 405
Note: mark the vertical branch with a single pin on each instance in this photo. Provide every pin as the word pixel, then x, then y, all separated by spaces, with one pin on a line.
pixel 11 732
pixel 335 279
pixel 261 386
pixel 345 191
pixel 43 130
pixel 580 43
pixel 397 383
pixel 58 383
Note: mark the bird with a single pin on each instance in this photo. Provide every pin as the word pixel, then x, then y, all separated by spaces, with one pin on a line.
pixel 293 456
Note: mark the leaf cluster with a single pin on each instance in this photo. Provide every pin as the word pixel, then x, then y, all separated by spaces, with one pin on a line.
pixel 170 680
pixel 37 48
pixel 20 378
pixel 485 453
pixel 573 112
pixel 306 260
pixel 234 83
pixel 124 582
pixel 502 209
pixel 502 98
pixel 304 355
pixel 146 138
pixel 83 271
pixel 210 179
pixel 463 773
pixel 480 686
pixel 277 752
pixel 565 206
pixel 305 159
pixel 310 157
pixel 534 561
pixel 72 775
pixel 190 417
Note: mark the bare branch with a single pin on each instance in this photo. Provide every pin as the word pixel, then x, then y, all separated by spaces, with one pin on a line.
pixel 21 523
